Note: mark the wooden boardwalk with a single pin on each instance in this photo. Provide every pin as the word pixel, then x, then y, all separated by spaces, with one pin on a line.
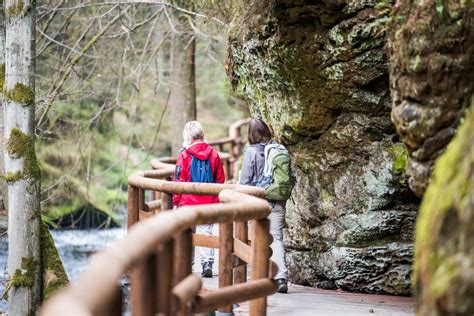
pixel 307 301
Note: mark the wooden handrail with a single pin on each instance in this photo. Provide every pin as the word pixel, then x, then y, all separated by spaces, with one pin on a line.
pixel 157 251
pixel 234 294
pixel 108 266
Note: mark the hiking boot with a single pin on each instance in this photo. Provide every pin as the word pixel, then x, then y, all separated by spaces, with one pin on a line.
pixel 206 270
pixel 282 286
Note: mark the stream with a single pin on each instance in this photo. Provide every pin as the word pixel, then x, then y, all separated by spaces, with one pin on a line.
pixel 75 248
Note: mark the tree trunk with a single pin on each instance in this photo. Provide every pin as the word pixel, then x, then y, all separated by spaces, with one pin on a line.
pixel 183 86
pixel 3 184
pixel 22 171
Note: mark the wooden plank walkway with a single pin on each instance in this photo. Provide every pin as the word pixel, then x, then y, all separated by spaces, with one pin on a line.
pixel 307 301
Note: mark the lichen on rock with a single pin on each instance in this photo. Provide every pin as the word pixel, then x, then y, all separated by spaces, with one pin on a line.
pixel 444 259
pixel 431 75
pixel 318 75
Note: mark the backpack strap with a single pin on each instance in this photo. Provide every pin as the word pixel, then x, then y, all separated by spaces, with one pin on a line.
pixel 189 167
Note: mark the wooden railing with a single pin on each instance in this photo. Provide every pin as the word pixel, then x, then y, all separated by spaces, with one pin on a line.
pixel 157 252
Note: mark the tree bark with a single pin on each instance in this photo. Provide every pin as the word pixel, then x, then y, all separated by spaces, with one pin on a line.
pixel 21 167
pixel 183 86
pixel 3 184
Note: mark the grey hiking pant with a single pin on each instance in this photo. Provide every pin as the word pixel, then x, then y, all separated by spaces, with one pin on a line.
pixel 205 254
pixel 277 220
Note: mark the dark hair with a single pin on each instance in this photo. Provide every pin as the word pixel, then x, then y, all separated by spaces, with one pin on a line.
pixel 258 132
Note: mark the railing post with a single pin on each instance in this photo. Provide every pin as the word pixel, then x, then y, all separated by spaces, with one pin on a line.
pixel 114 307
pixel 234 133
pixel 164 265
pixel 157 195
pixel 141 199
pixel 260 260
pixel 228 170
pixel 241 233
pixel 132 217
pixel 144 287
pixel 182 252
pixel 226 248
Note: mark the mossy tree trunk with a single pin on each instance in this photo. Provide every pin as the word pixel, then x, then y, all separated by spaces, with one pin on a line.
pixel 183 85
pixel 3 185
pixel 21 167
pixel 431 77
pixel 444 256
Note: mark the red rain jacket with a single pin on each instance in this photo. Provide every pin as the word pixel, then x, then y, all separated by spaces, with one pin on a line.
pixel 202 151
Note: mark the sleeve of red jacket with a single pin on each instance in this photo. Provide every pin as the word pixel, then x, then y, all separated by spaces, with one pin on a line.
pixel 180 175
pixel 219 170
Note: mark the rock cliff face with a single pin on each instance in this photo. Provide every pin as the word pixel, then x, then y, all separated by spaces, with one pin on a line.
pixel 431 44
pixel 431 74
pixel 318 74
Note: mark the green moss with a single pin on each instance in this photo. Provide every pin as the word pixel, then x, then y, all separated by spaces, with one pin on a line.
pixel 21 93
pixel 25 276
pixel 443 223
pixel 448 270
pixel 2 76
pixel 14 10
pixel 54 275
pixel 400 158
pixel 440 7
pixel 21 145
pixel 13 176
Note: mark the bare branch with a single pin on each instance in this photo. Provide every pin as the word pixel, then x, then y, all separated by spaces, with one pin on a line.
pixel 156 2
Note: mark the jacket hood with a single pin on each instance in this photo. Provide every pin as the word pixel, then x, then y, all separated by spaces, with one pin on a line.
pixel 259 146
pixel 200 150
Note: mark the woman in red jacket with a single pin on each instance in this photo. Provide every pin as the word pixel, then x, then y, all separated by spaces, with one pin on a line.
pixel 198 162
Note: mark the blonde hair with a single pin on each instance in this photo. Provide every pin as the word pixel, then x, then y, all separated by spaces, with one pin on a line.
pixel 192 131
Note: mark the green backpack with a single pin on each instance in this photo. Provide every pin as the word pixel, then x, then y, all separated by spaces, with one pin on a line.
pixel 277 178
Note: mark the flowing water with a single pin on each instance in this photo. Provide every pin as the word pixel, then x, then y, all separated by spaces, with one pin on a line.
pixel 75 248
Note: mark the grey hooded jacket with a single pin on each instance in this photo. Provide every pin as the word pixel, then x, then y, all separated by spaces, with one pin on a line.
pixel 253 164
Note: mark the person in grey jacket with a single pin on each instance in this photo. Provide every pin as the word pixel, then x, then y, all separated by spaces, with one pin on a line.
pixel 259 136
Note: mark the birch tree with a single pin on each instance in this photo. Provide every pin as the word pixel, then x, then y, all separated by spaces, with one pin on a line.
pixel 183 85
pixel 3 188
pixel 22 171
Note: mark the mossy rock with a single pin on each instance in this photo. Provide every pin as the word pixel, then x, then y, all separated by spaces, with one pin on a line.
pixel 318 75
pixel 84 217
pixel 431 75
pixel 444 257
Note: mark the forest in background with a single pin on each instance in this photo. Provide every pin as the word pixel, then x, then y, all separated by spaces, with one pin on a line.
pixel 103 87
